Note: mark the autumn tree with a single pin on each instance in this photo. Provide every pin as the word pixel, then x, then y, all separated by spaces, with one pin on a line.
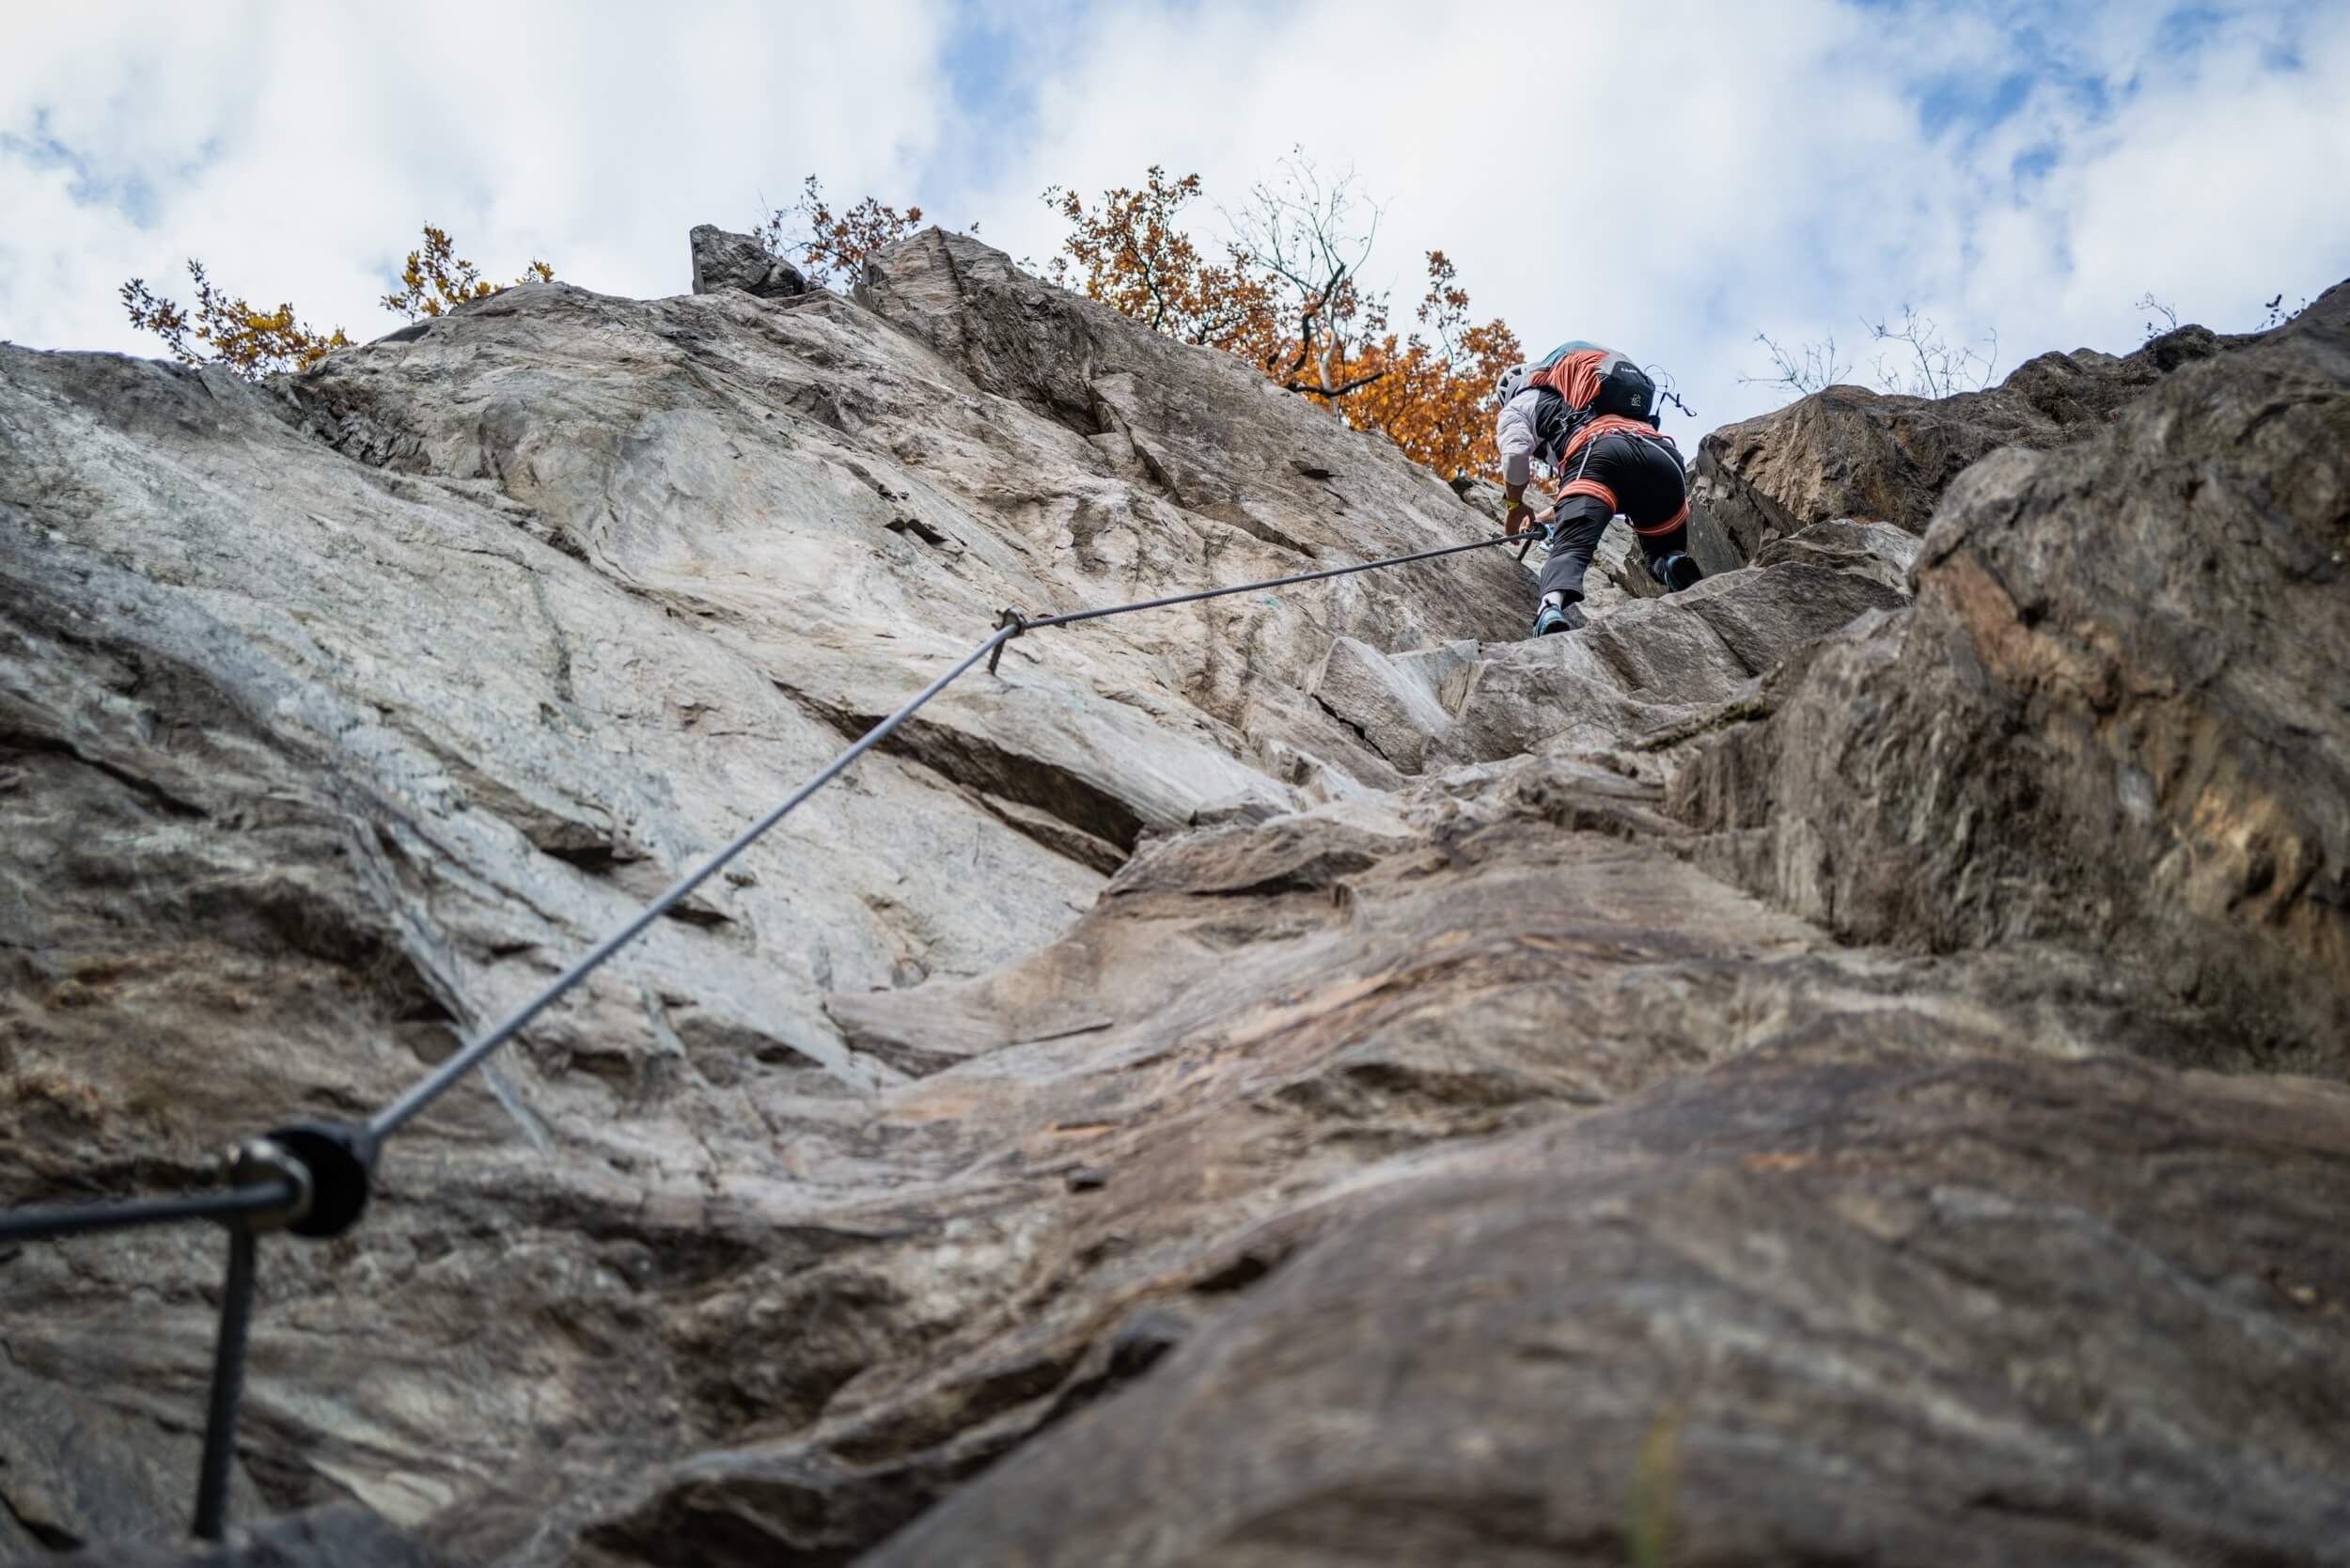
pixel 831 247
pixel 436 278
pixel 1285 294
pixel 1133 254
pixel 226 330
pixel 1283 291
pixel 1433 396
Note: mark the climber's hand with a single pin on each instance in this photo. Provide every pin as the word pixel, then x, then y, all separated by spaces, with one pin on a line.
pixel 1521 517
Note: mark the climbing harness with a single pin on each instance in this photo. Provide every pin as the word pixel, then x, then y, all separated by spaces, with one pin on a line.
pixel 313 1179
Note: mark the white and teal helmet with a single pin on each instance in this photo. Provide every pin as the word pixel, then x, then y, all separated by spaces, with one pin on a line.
pixel 1512 383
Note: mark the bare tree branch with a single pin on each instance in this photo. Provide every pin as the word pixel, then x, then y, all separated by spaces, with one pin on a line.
pixel 1939 369
pixel 1339 391
pixel 1313 233
pixel 1818 369
pixel 2147 302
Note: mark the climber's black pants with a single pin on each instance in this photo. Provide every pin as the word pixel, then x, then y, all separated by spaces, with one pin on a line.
pixel 1616 473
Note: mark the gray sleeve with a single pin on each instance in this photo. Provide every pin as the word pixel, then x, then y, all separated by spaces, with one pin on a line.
pixel 1513 432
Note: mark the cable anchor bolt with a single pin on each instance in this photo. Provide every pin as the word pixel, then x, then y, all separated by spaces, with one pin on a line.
pixel 1019 627
pixel 260 1161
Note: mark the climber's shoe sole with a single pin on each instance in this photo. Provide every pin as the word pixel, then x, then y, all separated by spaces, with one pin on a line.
pixel 1553 619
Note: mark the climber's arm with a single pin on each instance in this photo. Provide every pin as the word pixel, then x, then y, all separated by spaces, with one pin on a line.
pixel 1513 432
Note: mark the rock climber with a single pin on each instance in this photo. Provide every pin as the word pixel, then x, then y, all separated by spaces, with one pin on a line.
pixel 1590 414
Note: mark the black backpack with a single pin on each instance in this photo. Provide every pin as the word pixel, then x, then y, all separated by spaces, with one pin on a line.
pixel 1626 390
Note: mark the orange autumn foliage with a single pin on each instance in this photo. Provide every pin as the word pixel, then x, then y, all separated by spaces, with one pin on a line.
pixel 1132 254
pixel 436 278
pixel 1434 397
pixel 1314 331
pixel 228 331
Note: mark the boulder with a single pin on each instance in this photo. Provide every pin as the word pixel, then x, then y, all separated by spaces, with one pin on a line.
pixel 723 260
pixel 1879 551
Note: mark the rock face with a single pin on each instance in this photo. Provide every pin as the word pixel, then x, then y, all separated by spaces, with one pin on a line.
pixel 1295 1078
pixel 1790 1311
pixel 723 260
pixel 2116 717
pixel 1851 453
pixel 339 715
pixel 332 1537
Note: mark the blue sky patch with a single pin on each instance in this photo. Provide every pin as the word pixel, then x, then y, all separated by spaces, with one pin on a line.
pixel 131 196
pixel 991 58
pixel 1970 103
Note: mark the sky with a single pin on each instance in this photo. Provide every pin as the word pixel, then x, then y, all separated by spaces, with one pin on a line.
pixel 1666 179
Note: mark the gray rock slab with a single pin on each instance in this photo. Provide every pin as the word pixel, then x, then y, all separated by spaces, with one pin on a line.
pixel 1396 713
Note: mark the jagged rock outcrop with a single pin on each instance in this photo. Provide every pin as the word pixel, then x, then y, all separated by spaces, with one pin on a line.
pixel 1238 1085
pixel 1647 668
pixel 1852 453
pixel 2116 717
pixel 1256 1021
pixel 724 261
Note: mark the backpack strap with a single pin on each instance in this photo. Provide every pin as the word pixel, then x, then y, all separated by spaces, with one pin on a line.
pixel 1555 424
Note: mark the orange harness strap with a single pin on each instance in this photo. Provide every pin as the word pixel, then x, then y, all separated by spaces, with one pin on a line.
pixel 1675 521
pixel 1593 488
pixel 1612 424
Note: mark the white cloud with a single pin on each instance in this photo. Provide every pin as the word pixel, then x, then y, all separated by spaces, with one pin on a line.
pixel 1672 181
pixel 1668 180
pixel 297 150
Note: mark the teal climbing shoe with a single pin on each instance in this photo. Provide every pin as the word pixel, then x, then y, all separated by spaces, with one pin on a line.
pixel 1557 618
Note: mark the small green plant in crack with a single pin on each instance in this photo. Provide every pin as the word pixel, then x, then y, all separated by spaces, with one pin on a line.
pixel 1655 1477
